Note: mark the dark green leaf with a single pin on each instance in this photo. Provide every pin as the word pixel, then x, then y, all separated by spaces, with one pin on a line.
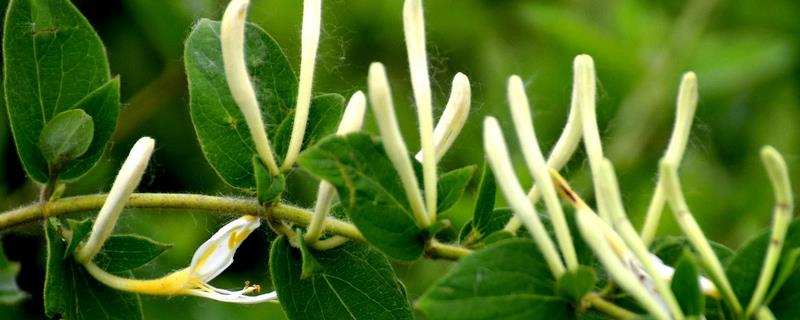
pixel 310 265
pixel 9 291
pixel 356 283
pixel 686 286
pixel 323 118
pixel 484 212
pixel 70 291
pixel 451 186
pixel 67 136
pixel 127 252
pixel 492 224
pixel 787 267
pixel 54 61
pixel 670 249
pixel 218 122
pixel 574 284
pixel 370 189
pixel 80 230
pixel 268 187
pixel 505 280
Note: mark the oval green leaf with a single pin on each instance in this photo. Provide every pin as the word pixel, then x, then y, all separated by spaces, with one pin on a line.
pixel 67 136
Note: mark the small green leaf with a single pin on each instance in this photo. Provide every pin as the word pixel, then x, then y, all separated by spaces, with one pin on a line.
pixel 70 291
pixel 370 189
pixel 80 230
pixel 67 136
pixel 324 115
pixel 484 211
pixel 506 280
pixel 493 223
pixel 9 291
pixel 356 283
pixel 574 284
pixel 218 122
pixel 310 264
pixel 670 249
pixel 268 187
pixel 127 252
pixel 451 186
pixel 54 62
pixel 686 286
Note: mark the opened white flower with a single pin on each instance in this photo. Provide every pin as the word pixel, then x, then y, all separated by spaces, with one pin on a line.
pixel 211 259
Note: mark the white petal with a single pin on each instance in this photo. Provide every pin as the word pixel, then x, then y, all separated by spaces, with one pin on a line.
pixel 216 254
pixel 234 296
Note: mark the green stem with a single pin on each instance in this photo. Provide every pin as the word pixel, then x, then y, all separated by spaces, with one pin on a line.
pixel 596 301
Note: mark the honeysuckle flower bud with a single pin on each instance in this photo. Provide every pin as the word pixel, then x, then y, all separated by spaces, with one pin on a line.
pixel 380 97
pixel 233 58
pixel 781 218
pixel 520 113
pixel 352 121
pixel 127 180
pixel 414 29
pixel 686 106
pixel 695 235
pixel 500 162
pixel 453 118
pixel 211 259
pixel 312 16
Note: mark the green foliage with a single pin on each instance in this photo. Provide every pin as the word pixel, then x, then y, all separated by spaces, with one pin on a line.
pixel 218 122
pixel 370 190
pixel 268 187
pixel 574 284
pixel 323 118
pixel 505 280
pixel 451 186
pixel 54 62
pixel 127 252
pixel 9 291
pixel 686 286
pixel 355 282
pixel 67 136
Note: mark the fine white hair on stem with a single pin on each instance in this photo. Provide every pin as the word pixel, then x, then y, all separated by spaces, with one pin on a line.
pixel 610 191
pixel 586 86
pixel 520 113
pixel 352 121
pixel 497 154
pixel 453 118
pixel 686 106
pixel 127 180
pixel 380 97
pixel 591 227
pixel 233 58
pixel 695 235
pixel 414 29
pixel 312 16
pixel 781 218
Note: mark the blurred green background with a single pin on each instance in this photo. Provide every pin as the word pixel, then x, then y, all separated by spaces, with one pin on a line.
pixel 745 54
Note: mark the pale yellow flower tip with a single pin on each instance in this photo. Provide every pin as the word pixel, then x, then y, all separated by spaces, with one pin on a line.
pixel 453 118
pixel 353 117
pixel 126 182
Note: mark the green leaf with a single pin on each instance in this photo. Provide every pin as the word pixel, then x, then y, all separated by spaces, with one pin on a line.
pixel 371 191
pixel 451 186
pixel 218 122
pixel 686 286
pixel 54 61
pixel 484 212
pixel 127 252
pixel 67 136
pixel 574 284
pixel 493 224
pixel 73 293
pixel 787 267
pixel 268 187
pixel 324 115
pixel 505 280
pixel 310 265
pixel 670 249
pixel 356 283
pixel 9 291
pixel 497 236
pixel 80 230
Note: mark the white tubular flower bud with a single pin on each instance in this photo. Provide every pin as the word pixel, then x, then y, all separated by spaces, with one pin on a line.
pixel 380 97
pixel 233 57
pixel 695 235
pixel 312 16
pixel 127 180
pixel 497 154
pixel 352 120
pixel 588 224
pixel 781 218
pixel 686 106
pixel 520 113
pixel 414 29
pixel 453 118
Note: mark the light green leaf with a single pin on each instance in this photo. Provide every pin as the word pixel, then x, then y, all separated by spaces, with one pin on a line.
pixel 686 286
pixel 370 189
pixel 356 282
pixel 451 186
pixel 54 61
pixel 127 252
pixel 80 230
pixel 218 122
pixel 268 187
pixel 67 136
pixel 324 115
pixel 310 265
pixel 9 291
pixel 574 284
pixel 505 280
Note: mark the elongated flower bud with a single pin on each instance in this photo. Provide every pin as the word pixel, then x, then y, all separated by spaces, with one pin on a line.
pixel 453 118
